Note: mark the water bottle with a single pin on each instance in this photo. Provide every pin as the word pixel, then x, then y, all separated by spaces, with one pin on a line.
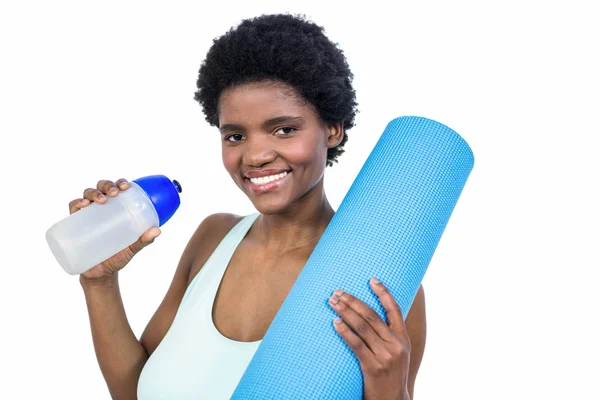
pixel 99 231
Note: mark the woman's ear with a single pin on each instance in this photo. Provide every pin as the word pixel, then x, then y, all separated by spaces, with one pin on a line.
pixel 335 134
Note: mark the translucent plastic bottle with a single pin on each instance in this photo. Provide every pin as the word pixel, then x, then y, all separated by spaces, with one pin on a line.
pixel 99 231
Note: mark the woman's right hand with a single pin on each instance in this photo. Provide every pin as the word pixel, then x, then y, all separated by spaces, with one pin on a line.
pixel 118 261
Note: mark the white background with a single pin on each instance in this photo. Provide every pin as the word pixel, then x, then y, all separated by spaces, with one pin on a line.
pixel 103 90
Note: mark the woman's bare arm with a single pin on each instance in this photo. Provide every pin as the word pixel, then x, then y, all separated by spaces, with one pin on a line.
pixel 120 354
pixel 416 327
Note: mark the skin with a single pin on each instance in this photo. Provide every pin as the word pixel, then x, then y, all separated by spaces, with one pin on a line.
pixel 266 263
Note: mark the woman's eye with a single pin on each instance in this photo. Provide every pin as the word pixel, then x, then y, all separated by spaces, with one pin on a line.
pixel 238 135
pixel 286 130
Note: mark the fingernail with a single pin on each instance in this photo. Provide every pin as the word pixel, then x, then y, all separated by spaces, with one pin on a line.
pixel 124 183
pixel 337 321
pixel 375 281
pixel 113 190
pixel 101 197
pixel 333 299
pixel 338 292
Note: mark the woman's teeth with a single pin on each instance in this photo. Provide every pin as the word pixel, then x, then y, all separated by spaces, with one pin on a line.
pixel 266 179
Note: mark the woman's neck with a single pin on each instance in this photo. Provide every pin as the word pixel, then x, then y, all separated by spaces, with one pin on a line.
pixel 299 227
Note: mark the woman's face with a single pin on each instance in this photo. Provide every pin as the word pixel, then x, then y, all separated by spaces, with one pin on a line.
pixel 274 144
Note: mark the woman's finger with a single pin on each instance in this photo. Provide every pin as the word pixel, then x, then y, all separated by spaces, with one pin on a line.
pixel 340 302
pixel 367 316
pixel 394 313
pixel 107 187
pixel 94 195
pixel 77 205
pixel 104 187
pixel 359 348
pixel 122 184
pixel 146 239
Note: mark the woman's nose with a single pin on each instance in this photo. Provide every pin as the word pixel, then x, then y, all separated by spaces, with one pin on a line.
pixel 258 153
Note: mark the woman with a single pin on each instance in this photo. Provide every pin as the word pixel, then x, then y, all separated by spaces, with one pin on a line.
pixel 281 94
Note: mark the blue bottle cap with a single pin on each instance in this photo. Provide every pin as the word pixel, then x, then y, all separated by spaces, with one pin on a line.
pixel 163 193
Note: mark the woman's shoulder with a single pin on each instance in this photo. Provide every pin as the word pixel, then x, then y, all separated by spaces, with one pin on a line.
pixel 222 221
pixel 207 237
pixel 215 226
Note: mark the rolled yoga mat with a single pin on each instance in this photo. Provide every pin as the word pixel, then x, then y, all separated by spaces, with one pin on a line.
pixel 388 226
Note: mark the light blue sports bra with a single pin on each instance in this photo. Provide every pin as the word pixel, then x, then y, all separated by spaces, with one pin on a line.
pixel 194 360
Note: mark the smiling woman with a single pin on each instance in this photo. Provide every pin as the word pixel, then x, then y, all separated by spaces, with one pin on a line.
pixel 281 94
pixel 269 130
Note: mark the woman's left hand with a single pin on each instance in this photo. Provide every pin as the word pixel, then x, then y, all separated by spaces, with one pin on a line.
pixel 383 350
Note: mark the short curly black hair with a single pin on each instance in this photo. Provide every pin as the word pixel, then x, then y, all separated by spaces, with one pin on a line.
pixel 286 48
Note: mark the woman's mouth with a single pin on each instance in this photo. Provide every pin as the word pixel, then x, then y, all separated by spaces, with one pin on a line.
pixel 266 183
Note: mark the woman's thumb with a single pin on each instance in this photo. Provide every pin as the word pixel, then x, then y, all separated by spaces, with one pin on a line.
pixel 146 239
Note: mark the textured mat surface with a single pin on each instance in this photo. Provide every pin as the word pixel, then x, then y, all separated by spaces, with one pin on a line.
pixel 388 226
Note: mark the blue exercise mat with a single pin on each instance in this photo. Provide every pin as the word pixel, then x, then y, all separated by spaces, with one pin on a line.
pixel 388 226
